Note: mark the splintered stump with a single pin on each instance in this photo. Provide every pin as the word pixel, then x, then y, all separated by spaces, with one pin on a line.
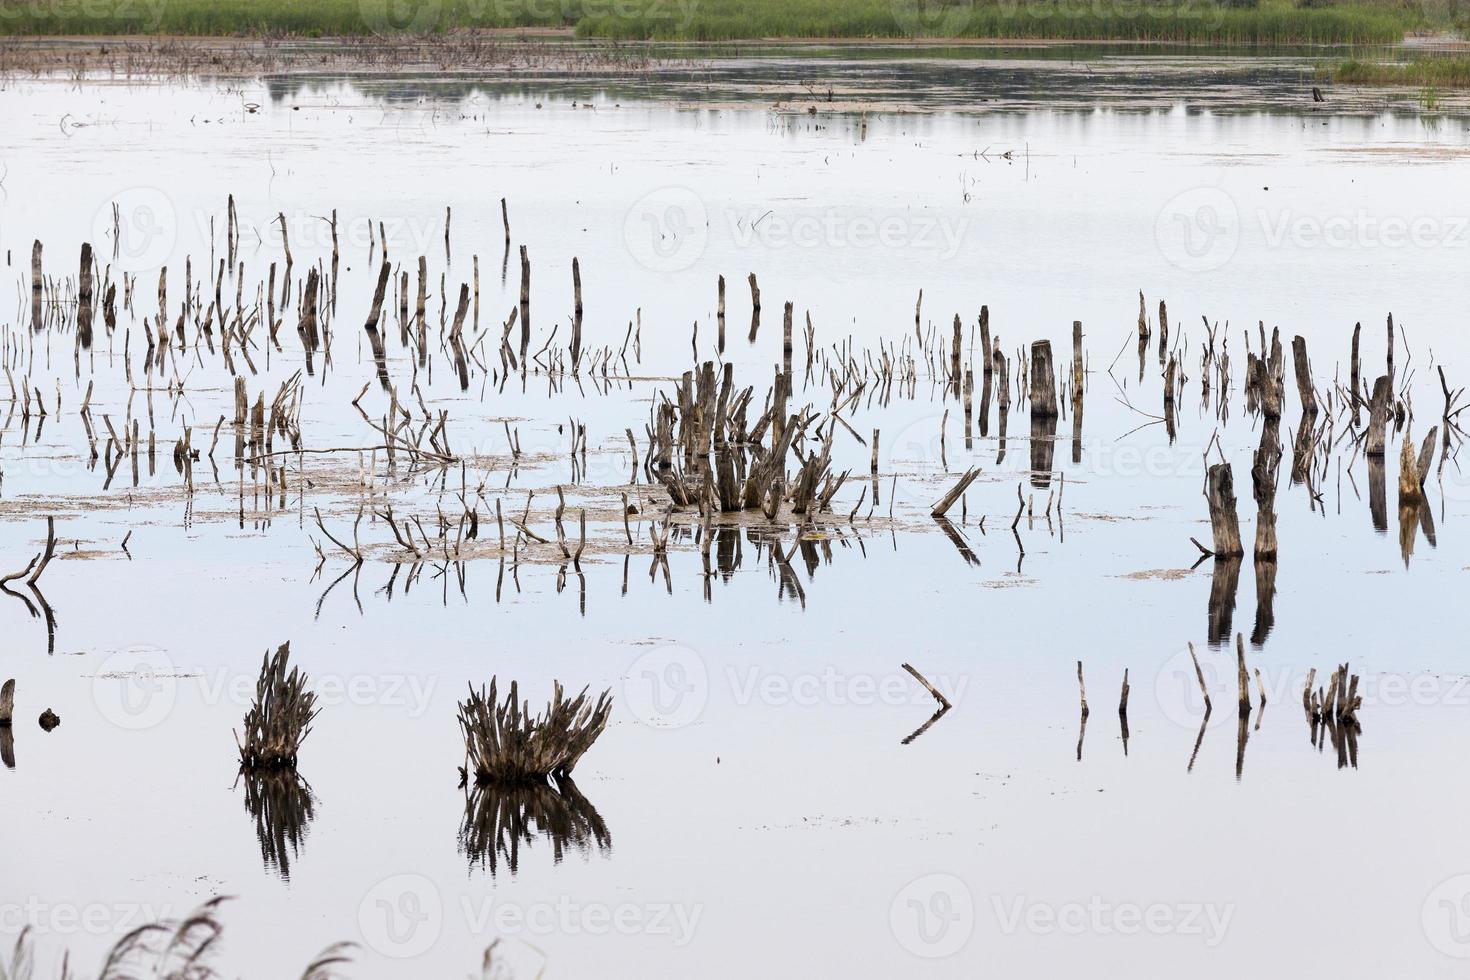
pixel 1224 522
pixel 1303 367
pixel 1414 468
pixel 7 703
pixel 1379 409
pixel 1043 381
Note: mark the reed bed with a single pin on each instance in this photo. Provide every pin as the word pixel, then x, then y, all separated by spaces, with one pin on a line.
pixel 280 719
pixel 1214 21
pixel 1448 71
pixel 1059 20
pixel 506 744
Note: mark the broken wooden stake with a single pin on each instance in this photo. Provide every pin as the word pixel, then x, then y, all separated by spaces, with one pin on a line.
pixel 933 691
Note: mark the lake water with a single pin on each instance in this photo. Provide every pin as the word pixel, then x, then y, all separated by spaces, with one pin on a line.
pixel 758 804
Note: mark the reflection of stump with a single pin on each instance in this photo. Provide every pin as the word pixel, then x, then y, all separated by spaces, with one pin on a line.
pixel 282 806
pixel 1265 601
pixel 499 819
pixel 1223 520
pixel 1043 449
pixel 1378 493
pixel 1222 600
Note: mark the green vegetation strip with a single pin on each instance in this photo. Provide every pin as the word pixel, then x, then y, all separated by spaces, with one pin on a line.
pixel 1246 22
pixel 1433 72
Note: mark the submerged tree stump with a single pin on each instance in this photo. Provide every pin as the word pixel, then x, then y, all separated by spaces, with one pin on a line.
pixel 1224 522
pixel 7 703
pixel 1303 366
pixel 1378 412
pixel 1043 381
pixel 84 298
pixel 36 286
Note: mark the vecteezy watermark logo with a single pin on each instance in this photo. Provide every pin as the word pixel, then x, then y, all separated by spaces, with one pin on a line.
pixel 136 687
pixel 667 230
pixel 1198 230
pixel 933 18
pixel 933 916
pixel 401 916
pixel 1102 917
pixel 142 226
pixel 1446 917
pixel 667 687
pixel 390 18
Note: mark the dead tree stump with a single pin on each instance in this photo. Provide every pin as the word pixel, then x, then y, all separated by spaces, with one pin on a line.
pixel 1043 381
pixel 1378 412
pixel 1224 522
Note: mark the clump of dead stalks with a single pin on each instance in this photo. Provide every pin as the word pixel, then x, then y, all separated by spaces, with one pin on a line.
pixel 506 744
pixel 165 950
pixel 280 719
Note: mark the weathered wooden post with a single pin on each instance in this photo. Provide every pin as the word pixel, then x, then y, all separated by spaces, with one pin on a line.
pixel 1224 522
pixel 1043 381
pixel 36 285
pixel 720 319
pixel 84 298
pixel 525 302
pixel 1378 412
pixel 1305 393
pixel 1163 332
pixel 786 339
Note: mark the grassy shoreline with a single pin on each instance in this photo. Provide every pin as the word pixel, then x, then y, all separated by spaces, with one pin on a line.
pixel 1450 72
pixel 1234 22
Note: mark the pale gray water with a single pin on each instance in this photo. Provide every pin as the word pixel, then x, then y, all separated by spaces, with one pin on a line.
pixel 764 816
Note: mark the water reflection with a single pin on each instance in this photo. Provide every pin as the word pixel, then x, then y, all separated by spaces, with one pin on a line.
pixel 1265 601
pixel 1413 518
pixel 1043 449
pixel 1223 584
pixel 498 820
pixel 282 806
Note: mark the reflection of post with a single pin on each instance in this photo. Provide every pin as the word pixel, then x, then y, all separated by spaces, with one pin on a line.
pixel 1242 734
pixel 1408 529
pixel 1265 601
pixel 1377 493
pixel 1043 449
pixel 1222 600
